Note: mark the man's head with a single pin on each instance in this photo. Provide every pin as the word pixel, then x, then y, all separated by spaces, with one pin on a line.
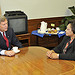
pixel 3 24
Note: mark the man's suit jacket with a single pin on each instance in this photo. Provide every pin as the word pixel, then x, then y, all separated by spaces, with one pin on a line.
pixel 12 40
pixel 70 53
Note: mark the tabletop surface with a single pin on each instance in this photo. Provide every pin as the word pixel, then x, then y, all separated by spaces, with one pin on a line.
pixel 33 61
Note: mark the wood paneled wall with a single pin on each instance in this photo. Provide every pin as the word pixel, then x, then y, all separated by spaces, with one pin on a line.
pixel 33 24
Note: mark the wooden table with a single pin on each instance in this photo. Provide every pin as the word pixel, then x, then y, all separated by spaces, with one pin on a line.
pixel 33 61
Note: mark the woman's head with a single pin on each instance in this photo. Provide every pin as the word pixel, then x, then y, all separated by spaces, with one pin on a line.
pixel 70 31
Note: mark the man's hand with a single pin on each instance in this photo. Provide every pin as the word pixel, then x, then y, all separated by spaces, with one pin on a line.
pixel 49 52
pixel 9 53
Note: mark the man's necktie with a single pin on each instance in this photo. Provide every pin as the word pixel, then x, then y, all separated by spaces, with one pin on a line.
pixel 5 38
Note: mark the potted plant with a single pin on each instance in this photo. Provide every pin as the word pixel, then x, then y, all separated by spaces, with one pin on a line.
pixel 67 18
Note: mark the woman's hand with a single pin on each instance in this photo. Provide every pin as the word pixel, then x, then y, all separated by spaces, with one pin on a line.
pixel 49 52
pixel 54 56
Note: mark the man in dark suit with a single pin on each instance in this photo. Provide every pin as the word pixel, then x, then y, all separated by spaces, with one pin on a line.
pixel 10 36
pixel 66 49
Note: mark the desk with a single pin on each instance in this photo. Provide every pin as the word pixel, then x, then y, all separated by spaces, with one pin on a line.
pixel 33 61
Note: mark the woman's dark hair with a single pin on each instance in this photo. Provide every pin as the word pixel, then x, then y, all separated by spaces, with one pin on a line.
pixel 72 22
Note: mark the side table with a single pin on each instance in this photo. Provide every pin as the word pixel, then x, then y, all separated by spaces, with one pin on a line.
pixel 24 39
pixel 49 41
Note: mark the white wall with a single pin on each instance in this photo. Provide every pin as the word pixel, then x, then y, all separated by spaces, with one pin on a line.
pixel 39 8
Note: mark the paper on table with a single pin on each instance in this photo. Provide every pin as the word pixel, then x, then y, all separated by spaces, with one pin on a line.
pixel 16 51
pixel 53 25
pixel 61 32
